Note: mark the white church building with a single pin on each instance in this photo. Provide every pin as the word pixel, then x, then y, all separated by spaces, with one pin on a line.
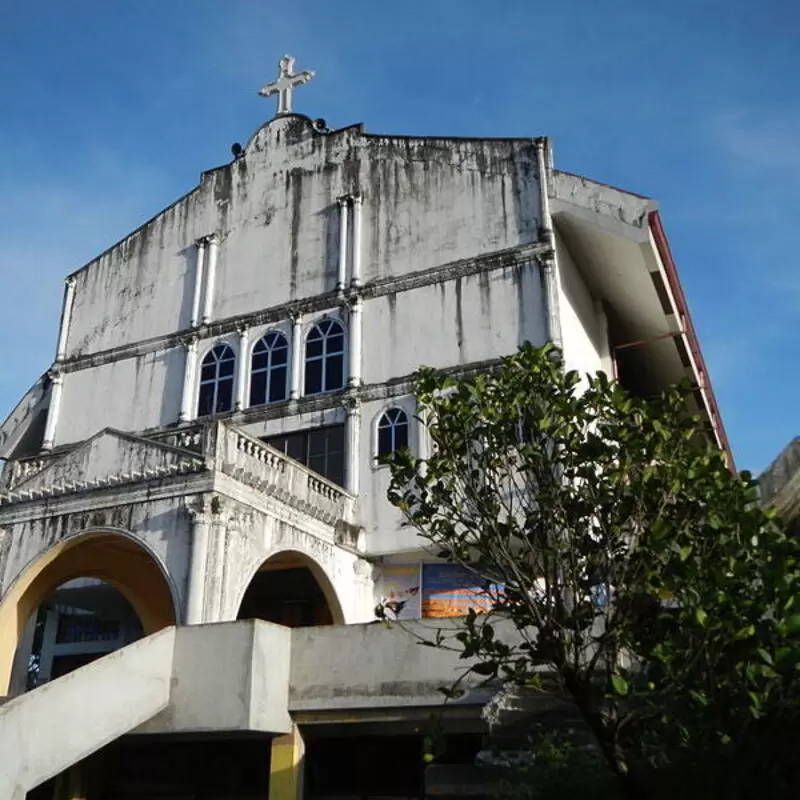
pixel 204 449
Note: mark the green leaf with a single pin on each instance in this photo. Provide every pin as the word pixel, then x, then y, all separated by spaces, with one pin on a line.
pixel 700 616
pixel 765 656
pixel 620 684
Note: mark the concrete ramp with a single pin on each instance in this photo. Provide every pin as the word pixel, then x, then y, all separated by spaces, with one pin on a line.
pixel 47 730
pixel 231 676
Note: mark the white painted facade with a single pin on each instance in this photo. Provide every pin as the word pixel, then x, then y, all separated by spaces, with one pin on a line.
pixel 443 252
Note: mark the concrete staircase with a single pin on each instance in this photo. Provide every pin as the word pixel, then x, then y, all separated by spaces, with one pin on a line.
pixel 47 730
pixel 223 677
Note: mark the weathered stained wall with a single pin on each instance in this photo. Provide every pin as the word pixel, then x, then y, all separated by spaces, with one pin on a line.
pixel 459 321
pixel 162 526
pixel 449 278
pixel 244 540
pixel 131 394
pixel 426 202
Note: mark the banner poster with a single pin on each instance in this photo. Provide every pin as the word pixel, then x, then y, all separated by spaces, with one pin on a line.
pixel 450 590
pixel 401 591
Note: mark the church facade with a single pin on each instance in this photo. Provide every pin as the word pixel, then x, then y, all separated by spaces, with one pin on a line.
pixel 207 439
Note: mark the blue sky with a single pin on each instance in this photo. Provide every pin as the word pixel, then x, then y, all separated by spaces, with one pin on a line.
pixel 110 110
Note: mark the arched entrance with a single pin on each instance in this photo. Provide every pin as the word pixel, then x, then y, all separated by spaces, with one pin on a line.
pixel 293 590
pixel 111 557
pixel 82 620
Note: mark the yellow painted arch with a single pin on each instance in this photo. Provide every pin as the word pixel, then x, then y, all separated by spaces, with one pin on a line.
pixel 110 556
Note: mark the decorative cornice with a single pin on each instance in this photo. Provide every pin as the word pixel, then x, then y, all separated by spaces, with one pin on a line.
pixel 63 488
pixel 107 497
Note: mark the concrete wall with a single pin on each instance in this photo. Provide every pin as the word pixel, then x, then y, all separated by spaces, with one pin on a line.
pixel 231 677
pixel 460 321
pixel 160 525
pixel 246 538
pixel 146 392
pixel 583 325
pixel 368 666
pixel 426 202
pixel 244 676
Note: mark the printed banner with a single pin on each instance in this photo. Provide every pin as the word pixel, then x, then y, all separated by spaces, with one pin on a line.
pixel 401 591
pixel 450 590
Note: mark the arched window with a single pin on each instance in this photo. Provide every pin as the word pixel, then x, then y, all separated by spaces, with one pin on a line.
pixel 325 357
pixel 268 369
pixel 392 431
pixel 216 381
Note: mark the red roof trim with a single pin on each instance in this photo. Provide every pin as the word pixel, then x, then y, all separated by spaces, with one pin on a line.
pixel 660 237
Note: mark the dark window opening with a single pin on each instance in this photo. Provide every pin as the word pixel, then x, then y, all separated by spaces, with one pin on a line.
pixel 392 432
pixel 320 449
pixel 216 382
pixel 365 767
pixel 269 369
pixel 325 357
pixel 236 768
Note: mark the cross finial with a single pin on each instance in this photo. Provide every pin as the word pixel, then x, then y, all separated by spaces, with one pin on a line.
pixel 284 85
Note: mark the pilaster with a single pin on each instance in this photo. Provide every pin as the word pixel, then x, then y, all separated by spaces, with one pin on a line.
pixel 286 766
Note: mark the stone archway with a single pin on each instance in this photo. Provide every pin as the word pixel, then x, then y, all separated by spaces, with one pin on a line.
pixel 110 556
pixel 291 589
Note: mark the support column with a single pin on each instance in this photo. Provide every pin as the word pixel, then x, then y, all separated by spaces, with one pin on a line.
pixel 189 371
pixel 355 280
pixel 77 782
pixel 353 435
pixel 242 368
pixel 198 282
pixel 201 523
pixel 56 386
pixel 343 237
pixel 286 766
pixel 220 527
pixel 19 671
pixel 48 646
pixel 297 357
pixel 355 339
pixel 211 276
pixel 66 318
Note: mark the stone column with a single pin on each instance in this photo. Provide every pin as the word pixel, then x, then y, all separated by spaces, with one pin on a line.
pixel 355 279
pixel 242 368
pixel 343 242
pixel 189 371
pixel 19 671
pixel 66 318
pixel 198 565
pixel 353 437
pixel 297 357
pixel 286 766
pixel 198 282
pixel 355 339
pixel 211 276
pixel 56 386
pixel 48 646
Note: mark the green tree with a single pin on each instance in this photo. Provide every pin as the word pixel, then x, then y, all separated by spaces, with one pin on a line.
pixel 642 581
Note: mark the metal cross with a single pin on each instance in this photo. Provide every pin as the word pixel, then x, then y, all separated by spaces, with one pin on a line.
pixel 285 84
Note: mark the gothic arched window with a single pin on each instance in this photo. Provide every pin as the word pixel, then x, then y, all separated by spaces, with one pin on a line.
pixel 269 367
pixel 325 357
pixel 392 431
pixel 216 381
